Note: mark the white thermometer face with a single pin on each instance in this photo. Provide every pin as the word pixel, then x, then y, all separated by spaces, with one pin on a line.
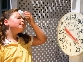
pixel 70 33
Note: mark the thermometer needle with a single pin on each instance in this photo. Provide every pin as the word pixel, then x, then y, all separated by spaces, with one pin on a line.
pixel 71 35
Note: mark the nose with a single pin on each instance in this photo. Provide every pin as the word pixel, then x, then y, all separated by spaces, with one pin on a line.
pixel 22 19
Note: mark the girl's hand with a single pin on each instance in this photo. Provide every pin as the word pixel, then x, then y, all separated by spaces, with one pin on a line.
pixel 29 17
pixel 40 37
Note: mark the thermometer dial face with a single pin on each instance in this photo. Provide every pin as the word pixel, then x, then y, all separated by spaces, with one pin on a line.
pixel 70 33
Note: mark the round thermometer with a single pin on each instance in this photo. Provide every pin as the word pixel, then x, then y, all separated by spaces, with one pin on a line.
pixel 70 33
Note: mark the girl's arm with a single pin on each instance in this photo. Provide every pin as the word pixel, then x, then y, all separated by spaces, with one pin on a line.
pixel 40 37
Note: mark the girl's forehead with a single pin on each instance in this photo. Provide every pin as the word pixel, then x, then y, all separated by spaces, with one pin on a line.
pixel 15 14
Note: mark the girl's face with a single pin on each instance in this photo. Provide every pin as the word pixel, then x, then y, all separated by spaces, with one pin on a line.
pixel 16 22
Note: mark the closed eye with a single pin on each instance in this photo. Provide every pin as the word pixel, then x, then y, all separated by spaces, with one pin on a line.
pixel 19 17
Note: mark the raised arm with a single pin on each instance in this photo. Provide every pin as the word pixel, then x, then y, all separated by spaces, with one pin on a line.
pixel 40 37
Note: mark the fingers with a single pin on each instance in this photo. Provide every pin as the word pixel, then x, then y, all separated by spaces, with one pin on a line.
pixel 27 14
pixel 28 17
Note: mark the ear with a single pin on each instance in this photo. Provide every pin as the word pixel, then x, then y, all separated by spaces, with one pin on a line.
pixel 6 22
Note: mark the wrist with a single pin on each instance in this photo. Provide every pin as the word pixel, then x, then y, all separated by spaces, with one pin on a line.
pixel 32 24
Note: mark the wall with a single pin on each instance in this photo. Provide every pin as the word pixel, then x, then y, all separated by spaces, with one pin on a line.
pixel 81 6
pixel 75 6
pixel 13 4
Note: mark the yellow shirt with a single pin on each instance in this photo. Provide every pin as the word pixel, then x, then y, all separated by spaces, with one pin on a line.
pixel 16 52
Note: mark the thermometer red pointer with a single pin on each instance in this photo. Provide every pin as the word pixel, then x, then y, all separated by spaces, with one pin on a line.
pixel 71 35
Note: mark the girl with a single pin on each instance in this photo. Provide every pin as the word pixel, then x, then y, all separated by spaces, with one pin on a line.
pixel 14 45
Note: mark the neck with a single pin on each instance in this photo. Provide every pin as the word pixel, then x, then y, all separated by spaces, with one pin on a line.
pixel 11 36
